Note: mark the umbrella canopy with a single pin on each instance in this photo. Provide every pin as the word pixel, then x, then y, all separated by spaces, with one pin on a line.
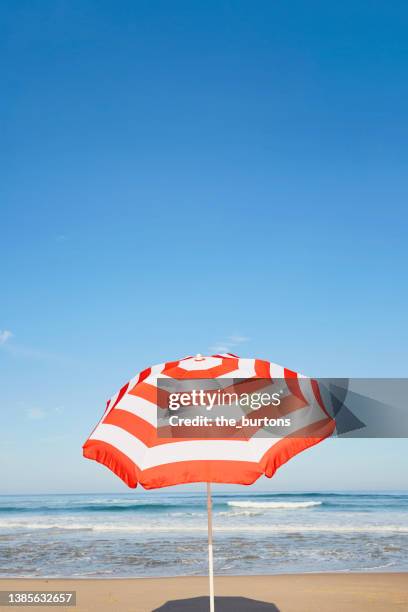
pixel 127 438
pixel 131 440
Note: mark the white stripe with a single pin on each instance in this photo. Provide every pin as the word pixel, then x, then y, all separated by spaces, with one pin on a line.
pixel 246 369
pixel 144 457
pixel 122 440
pixel 276 371
pixel 140 407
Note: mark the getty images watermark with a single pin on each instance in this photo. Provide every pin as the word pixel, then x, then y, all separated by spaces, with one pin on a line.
pixel 299 407
pixel 208 400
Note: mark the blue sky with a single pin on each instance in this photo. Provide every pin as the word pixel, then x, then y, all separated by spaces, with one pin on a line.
pixel 178 175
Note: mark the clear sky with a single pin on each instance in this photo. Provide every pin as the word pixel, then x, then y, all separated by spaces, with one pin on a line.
pixel 181 176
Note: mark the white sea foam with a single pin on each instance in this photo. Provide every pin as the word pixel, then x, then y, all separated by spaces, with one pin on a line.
pixel 274 505
pixel 181 528
pixel 375 567
pixel 117 501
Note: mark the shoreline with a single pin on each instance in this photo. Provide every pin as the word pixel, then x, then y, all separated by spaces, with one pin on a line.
pixel 374 572
pixel 346 591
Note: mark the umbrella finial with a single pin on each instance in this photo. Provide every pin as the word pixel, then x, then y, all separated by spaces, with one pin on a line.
pixel 199 357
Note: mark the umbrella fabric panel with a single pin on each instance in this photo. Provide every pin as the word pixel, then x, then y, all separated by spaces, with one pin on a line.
pixel 126 440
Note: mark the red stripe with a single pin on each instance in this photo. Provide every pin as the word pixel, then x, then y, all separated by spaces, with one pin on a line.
pixel 262 368
pixel 150 393
pixel 221 471
pixel 120 394
pixel 288 447
pixel 114 459
pixel 144 374
pixel 171 364
pixel 316 391
pixel 293 384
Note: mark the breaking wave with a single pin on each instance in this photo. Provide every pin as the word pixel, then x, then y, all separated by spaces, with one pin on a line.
pixel 278 505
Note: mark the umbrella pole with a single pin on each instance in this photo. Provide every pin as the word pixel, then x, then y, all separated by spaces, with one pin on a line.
pixel 210 547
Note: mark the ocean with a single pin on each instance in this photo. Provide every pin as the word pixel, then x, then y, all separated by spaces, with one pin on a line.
pixel 165 534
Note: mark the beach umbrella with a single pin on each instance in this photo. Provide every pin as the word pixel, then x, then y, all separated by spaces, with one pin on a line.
pixel 144 439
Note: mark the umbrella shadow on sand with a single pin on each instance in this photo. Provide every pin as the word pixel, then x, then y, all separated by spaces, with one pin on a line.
pixel 222 604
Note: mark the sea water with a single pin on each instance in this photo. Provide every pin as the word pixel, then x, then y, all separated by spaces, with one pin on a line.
pixel 164 533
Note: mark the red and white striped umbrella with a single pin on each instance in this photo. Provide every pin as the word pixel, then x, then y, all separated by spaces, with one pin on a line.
pixel 128 441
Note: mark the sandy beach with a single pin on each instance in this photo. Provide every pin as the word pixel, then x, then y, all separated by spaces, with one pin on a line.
pixel 287 593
